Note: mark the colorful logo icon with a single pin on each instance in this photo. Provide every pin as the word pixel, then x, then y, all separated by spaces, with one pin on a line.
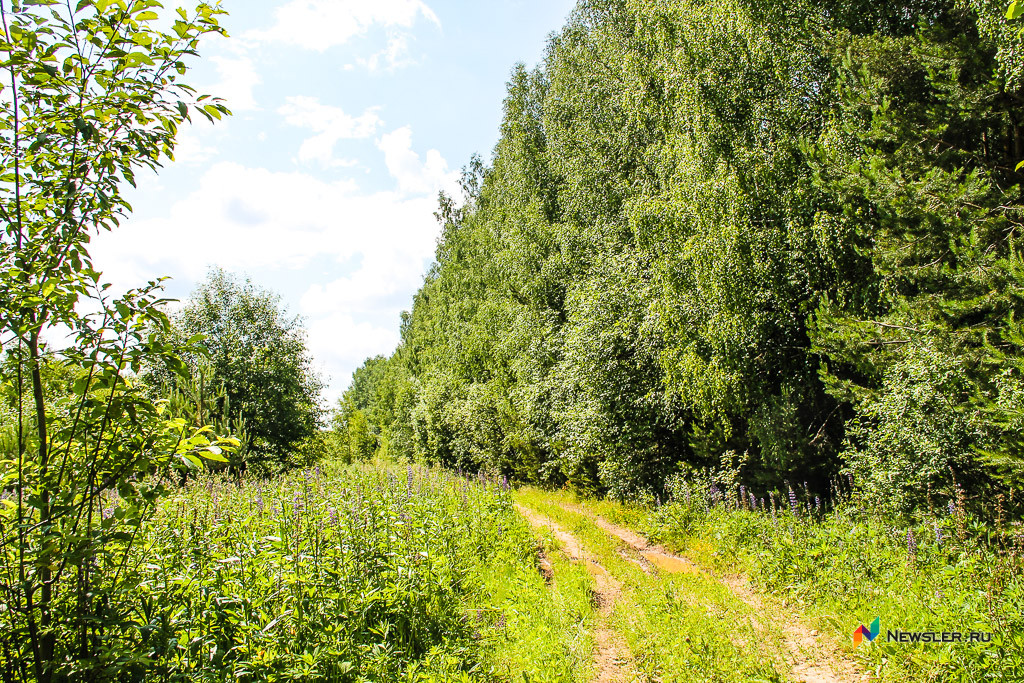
pixel 862 632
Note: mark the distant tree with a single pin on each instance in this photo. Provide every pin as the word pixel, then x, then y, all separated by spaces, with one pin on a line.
pixel 258 357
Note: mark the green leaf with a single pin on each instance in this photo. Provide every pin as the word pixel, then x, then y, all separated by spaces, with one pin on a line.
pixel 210 454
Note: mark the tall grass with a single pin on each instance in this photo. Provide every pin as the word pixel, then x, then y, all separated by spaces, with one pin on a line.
pixel 941 571
pixel 347 574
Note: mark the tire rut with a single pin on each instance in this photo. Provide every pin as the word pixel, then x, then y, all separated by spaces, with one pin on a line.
pixel 612 660
pixel 812 658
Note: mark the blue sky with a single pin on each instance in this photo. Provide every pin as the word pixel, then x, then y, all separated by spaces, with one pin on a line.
pixel 349 117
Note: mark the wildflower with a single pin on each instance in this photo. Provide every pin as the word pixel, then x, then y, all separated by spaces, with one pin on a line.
pixel 792 500
pixel 753 501
pixel 763 508
pixel 938 535
pixel 951 507
pixel 911 543
pixel 817 504
pixel 743 493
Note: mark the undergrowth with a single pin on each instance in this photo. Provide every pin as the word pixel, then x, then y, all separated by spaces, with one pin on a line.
pixel 942 571
pixel 369 573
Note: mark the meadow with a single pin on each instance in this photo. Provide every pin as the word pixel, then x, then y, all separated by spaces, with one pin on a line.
pixel 346 573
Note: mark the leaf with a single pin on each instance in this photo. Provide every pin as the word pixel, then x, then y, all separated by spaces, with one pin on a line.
pixel 192 460
pixel 210 455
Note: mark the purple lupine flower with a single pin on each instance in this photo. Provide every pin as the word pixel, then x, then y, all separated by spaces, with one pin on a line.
pixel 753 501
pixel 911 542
pixel 763 508
pixel 743 493
pixel 951 507
pixel 938 535
pixel 817 504
pixel 792 500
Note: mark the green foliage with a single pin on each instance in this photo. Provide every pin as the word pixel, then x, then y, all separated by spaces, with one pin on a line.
pixel 347 574
pixel 256 356
pixel 89 95
pixel 783 231
pixel 945 570
pixel 918 434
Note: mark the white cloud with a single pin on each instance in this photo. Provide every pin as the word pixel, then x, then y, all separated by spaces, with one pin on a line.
pixel 322 24
pixel 395 55
pixel 340 344
pixel 330 124
pixel 189 148
pixel 415 176
pixel 256 220
pixel 238 79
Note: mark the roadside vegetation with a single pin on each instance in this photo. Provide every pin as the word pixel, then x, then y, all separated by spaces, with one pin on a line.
pixel 369 573
pixel 838 569
pixel 781 239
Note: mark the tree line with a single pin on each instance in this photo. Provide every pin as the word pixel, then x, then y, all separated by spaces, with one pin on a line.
pixel 777 239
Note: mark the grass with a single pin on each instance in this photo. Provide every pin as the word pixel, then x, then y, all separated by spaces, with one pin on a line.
pixel 944 571
pixel 679 627
pixel 364 573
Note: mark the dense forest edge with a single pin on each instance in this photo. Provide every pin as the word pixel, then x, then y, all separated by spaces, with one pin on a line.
pixel 780 241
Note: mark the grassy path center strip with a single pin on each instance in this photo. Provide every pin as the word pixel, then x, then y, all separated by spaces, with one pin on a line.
pixel 611 657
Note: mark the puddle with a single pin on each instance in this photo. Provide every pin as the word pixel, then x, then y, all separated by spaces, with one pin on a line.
pixel 672 565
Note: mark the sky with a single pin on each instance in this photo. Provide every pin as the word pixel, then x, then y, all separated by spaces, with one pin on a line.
pixel 348 117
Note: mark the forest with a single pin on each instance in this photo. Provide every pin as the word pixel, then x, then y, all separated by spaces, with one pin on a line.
pixel 780 240
pixel 719 361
